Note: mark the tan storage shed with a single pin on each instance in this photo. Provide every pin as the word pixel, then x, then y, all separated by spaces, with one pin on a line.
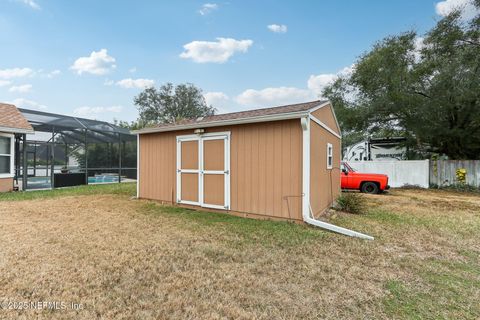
pixel 276 163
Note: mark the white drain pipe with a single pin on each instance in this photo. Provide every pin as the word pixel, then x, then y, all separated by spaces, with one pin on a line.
pixel 335 228
pixel 306 207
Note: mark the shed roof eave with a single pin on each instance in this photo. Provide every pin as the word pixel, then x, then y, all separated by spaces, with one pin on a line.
pixel 257 119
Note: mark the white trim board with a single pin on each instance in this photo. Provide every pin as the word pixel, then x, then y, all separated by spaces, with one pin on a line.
pixel 11 155
pixel 268 118
pixel 336 121
pixel 255 119
pixel 138 166
pixel 192 137
pixel 305 167
pixel 333 111
pixel 329 155
pixel 323 125
pixel 15 130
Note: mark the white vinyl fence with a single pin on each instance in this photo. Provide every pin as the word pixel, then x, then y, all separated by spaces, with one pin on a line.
pixel 400 173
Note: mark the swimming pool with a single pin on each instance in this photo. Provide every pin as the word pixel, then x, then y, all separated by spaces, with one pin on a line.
pixel 34 183
pixel 103 179
pixel 38 182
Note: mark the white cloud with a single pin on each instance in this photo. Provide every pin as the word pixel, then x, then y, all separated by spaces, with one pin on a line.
pixel 207 8
pixel 29 104
pixel 31 3
pixel 132 70
pixel 44 74
pixel 54 73
pixel 135 83
pixel 316 83
pixel 98 63
pixel 274 96
pixel 277 28
pixel 444 8
pixel 91 112
pixel 4 83
pixel 15 73
pixel 418 45
pixel 214 51
pixel 108 82
pixel 21 88
pixel 216 99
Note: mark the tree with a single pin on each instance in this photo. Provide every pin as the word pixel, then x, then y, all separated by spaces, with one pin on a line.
pixel 427 91
pixel 132 125
pixel 171 104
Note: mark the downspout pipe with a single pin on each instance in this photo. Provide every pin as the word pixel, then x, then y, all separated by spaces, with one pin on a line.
pixel 307 213
pixel 324 225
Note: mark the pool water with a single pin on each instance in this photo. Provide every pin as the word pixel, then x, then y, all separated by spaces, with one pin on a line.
pixel 44 182
pixel 38 182
pixel 103 179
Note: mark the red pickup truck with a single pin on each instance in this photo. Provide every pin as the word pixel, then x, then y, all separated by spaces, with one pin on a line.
pixel 365 182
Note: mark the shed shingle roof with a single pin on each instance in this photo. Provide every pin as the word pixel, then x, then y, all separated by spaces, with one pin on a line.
pixel 12 119
pixel 249 114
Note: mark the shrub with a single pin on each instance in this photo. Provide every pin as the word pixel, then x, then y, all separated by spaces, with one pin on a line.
pixel 351 202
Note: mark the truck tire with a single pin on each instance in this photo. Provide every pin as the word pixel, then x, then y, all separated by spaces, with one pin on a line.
pixel 369 187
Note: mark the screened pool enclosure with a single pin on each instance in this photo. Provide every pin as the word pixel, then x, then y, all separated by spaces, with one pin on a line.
pixel 68 151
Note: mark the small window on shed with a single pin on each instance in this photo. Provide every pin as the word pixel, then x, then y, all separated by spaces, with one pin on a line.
pixel 329 156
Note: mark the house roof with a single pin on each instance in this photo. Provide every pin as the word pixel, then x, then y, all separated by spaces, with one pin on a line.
pixel 12 120
pixel 291 111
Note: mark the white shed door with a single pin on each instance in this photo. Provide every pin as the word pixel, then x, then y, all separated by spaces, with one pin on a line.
pixel 203 170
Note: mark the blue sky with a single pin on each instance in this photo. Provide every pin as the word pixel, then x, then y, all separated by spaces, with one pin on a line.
pixel 90 58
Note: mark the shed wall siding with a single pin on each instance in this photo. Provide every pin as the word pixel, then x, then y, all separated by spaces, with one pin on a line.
pixel 325 114
pixel 6 184
pixel 324 183
pixel 265 160
pixel 158 166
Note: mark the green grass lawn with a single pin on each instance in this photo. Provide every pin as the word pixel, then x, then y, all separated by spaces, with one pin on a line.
pixel 173 262
pixel 127 189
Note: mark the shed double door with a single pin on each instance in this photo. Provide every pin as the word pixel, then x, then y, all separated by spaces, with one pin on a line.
pixel 203 170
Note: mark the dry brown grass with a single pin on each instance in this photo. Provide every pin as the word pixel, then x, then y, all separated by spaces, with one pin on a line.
pixel 129 259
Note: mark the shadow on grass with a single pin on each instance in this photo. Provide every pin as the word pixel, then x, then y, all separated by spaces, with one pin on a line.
pixel 127 189
pixel 239 231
